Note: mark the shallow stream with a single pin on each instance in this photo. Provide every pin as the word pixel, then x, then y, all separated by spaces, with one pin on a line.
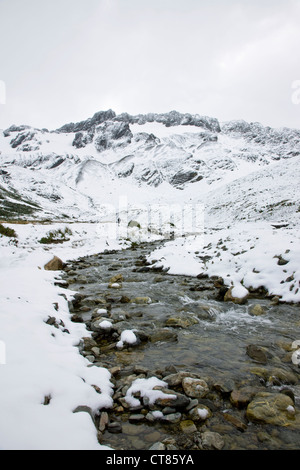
pixel 206 337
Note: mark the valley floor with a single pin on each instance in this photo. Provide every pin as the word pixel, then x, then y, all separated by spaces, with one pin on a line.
pixel 37 362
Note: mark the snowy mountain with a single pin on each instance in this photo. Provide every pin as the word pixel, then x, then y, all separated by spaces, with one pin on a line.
pixel 75 171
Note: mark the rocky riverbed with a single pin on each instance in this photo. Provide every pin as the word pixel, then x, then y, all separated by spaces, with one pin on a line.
pixel 190 369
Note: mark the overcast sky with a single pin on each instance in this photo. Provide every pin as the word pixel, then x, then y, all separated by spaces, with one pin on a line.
pixel 63 60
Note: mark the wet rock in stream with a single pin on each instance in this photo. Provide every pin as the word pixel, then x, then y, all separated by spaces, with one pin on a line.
pixel 210 361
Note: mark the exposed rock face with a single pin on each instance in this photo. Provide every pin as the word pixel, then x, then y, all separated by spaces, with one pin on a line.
pixel 110 134
pixel 183 177
pixel 81 139
pixel 173 118
pixel 14 128
pixel 88 124
pixel 256 132
pixel 25 141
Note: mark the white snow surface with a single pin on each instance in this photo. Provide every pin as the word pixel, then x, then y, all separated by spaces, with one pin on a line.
pixel 203 413
pixel 247 207
pixel 127 337
pixel 41 360
pixel 105 324
pixel 145 387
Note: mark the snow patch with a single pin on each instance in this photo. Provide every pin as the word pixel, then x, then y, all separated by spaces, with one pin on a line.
pixel 105 325
pixel 145 388
pixel 127 337
pixel 203 413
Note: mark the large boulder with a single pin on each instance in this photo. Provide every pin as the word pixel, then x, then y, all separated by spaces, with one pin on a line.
pixel 271 408
pixel 55 264
pixel 237 295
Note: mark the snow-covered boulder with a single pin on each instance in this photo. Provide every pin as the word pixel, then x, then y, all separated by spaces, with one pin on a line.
pixel 237 294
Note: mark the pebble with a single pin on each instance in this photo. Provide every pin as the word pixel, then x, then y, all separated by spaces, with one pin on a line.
pixel 158 446
pixel 256 353
pixel 90 358
pixel 153 436
pixel 103 421
pixel 114 427
pixel 174 380
pixel 150 417
pixel 195 387
pixel 236 422
pixel 130 429
pixel 188 426
pixel 212 440
pixel 172 418
pixel 257 310
pixel 200 413
pixel 141 300
pixel 136 418
pixel 180 400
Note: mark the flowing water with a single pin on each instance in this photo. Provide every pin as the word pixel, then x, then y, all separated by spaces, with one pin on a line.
pixel 206 336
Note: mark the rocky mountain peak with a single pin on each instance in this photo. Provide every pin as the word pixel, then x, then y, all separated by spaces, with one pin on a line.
pixel 172 118
pixel 88 124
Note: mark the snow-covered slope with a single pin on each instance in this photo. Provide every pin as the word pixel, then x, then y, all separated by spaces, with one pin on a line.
pixel 74 171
